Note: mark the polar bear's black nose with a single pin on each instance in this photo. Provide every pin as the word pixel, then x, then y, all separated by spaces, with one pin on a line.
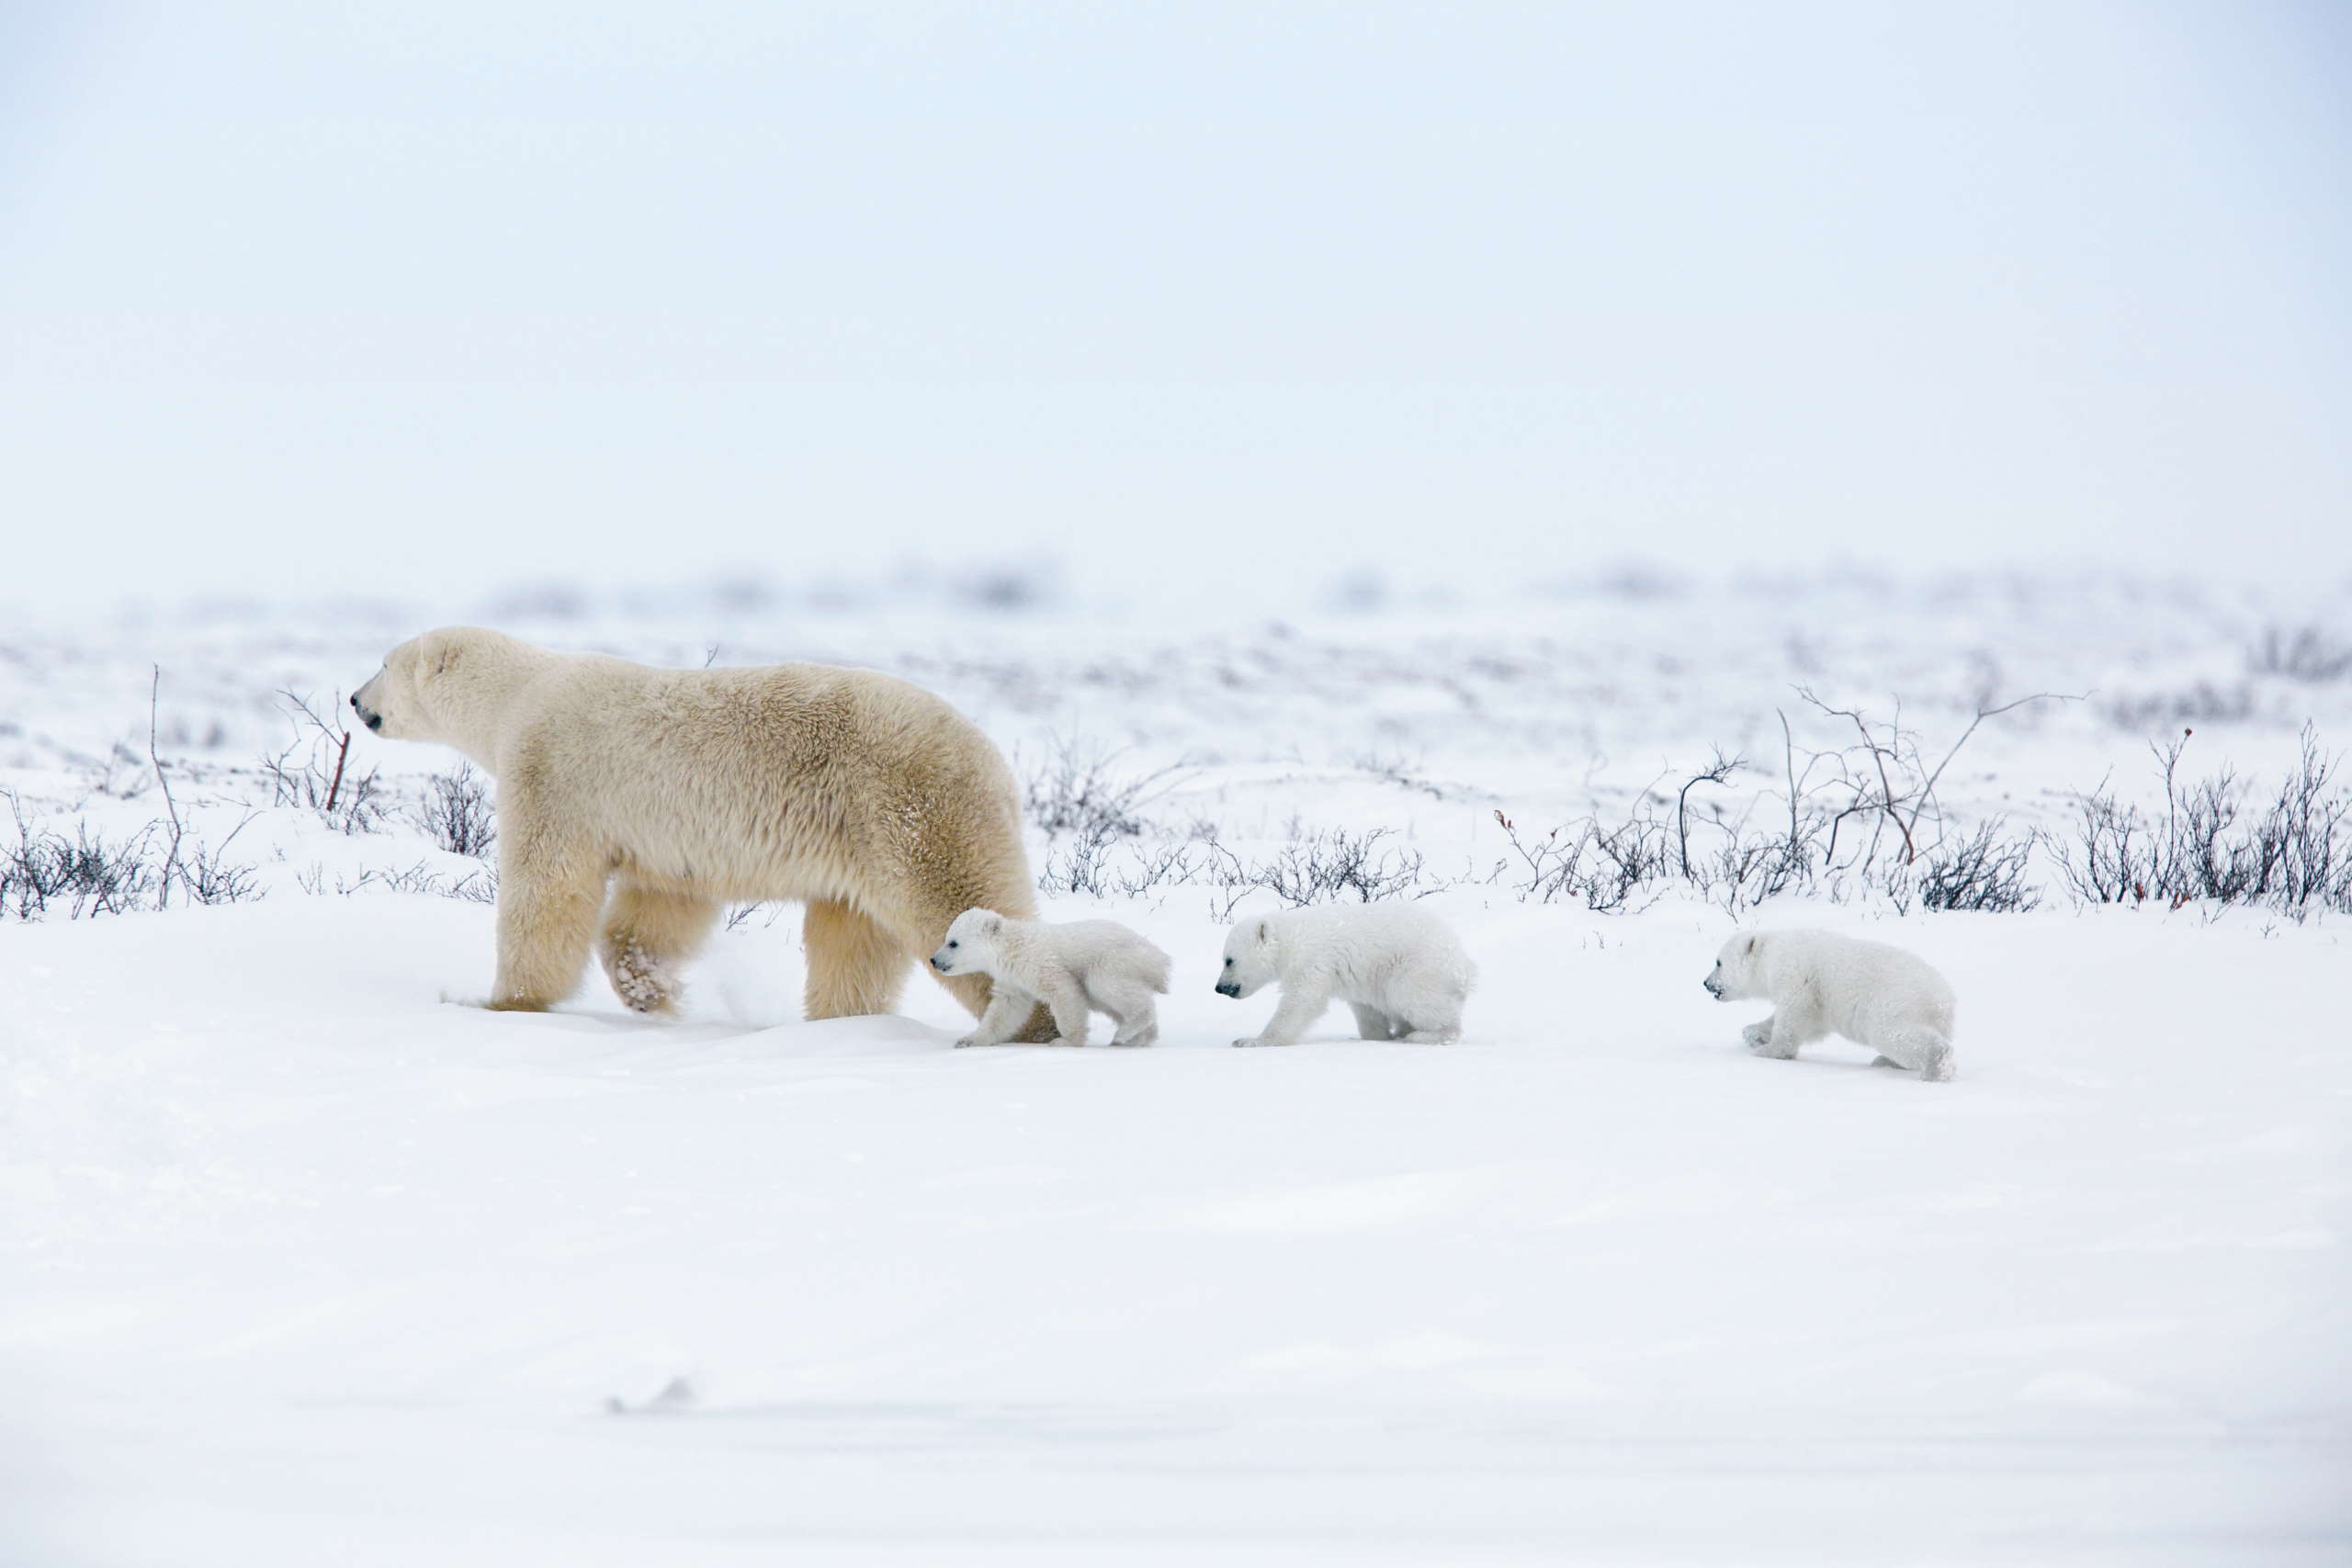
pixel 1224 990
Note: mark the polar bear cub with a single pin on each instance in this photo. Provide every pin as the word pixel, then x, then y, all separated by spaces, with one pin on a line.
pixel 1401 969
pixel 1080 967
pixel 1821 983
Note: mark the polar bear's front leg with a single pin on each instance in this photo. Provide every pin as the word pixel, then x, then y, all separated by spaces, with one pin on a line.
pixel 1008 1010
pixel 648 933
pixel 1779 1035
pixel 546 918
pixel 1301 1006
pixel 1372 1023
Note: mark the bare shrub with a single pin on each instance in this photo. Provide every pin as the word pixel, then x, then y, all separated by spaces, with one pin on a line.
pixel 1396 771
pixel 1081 864
pixel 85 875
pixel 2218 842
pixel 457 814
pixel 311 770
pixel 1980 871
pixel 1080 793
pixel 1335 866
pixel 473 887
pixel 1605 866
pixel 2203 703
pixel 206 878
pixel 1330 866
pixel 1864 816
pixel 2305 654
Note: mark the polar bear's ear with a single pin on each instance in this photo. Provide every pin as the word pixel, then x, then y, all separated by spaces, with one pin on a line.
pixel 436 651
pixel 993 924
pixel 1747 945
pixel 1261 930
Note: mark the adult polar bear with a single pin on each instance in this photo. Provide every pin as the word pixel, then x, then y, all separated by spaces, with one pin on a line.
pixel 882 808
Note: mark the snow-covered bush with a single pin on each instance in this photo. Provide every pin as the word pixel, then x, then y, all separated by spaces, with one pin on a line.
pixel 458 813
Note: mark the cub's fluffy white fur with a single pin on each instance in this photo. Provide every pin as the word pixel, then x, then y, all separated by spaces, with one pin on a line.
pixel 1083 966
pixel 1820 984
pixel 1400 968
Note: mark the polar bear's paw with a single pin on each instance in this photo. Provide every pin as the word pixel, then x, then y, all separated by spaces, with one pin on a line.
pixel 643 983
pixel 1756 1035
pixel 1260 1039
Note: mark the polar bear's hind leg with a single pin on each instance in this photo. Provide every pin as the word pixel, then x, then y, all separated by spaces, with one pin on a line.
pixel 649 932
pixel 855 966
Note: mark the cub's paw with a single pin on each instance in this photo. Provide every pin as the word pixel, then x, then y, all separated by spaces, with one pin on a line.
pixel 1260 1039
pixel 967 1040
pixel 1756 1035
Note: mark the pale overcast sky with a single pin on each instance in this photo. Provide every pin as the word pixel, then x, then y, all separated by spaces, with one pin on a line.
pixel 308 298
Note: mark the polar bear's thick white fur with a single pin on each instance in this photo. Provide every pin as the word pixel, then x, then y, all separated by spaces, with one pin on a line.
pixel 1075 968
pixel 882 808
pixel 1401 969
pixel 1821 983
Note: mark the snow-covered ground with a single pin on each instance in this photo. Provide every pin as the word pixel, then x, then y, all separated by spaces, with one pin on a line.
pixel 302 1259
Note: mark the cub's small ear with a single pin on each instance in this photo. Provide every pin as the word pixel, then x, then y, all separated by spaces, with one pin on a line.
pixel 993 924
pixel 1747 943
pixel 1261 930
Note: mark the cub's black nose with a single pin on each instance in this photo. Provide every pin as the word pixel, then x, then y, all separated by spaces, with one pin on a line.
pixel 1229 991
pixel 355 701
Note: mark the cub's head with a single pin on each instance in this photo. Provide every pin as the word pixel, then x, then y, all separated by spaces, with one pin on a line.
pixel 409 698
pixel 971 942
pixel 1733 976
pixel 1248 960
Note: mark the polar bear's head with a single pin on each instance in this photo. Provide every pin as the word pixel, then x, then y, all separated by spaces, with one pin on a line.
pixel 970 946
pixel 1734 976
pixel 433 687
pixel 1248 960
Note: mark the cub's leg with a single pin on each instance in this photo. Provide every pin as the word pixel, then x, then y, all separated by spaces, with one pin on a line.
pixel 1301 1006
pixel 648 933
pixel 1372 1023
pixel 1780 1036
pixel 1066 1001
pixel 1921 1049
pixel 854 965
pixel 1008 1010
pixel 1430 1021
pixel 1132 1005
